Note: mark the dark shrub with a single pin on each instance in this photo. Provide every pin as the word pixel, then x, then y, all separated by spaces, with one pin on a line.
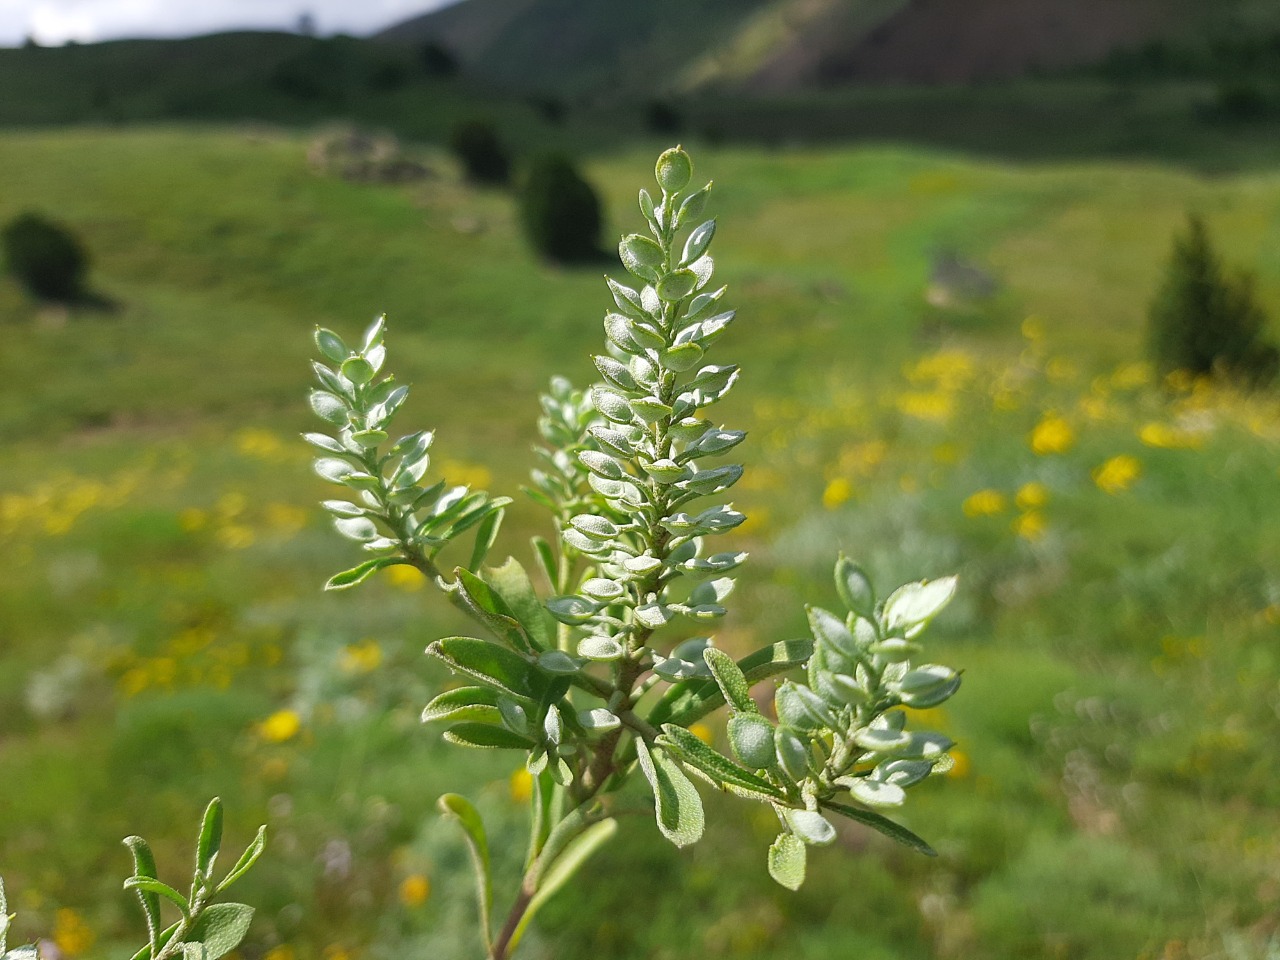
pixel 1205 321
pixel 560 211
pixel 437 61
pixel 482 154
pixel 46 258
pixel 662 117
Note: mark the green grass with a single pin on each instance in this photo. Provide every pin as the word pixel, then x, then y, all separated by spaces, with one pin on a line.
pixel 163 555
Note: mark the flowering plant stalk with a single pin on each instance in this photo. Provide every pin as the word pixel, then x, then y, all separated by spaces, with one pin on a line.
pixel 597 681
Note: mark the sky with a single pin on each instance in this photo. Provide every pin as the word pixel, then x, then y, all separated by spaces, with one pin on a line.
pixel 54 22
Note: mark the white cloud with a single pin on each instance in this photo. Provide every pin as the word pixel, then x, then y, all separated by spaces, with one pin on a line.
pixel 57 21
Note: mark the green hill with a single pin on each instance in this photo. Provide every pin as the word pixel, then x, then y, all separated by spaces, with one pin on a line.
pixel 572 48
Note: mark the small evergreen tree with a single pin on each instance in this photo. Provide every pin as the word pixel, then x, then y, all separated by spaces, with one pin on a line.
pixel 1205 321
pixel 46 258
pixel 483 157
pixel 560 211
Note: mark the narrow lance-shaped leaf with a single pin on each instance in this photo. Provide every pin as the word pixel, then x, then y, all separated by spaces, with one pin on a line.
pixel 247 859
pixel 210 841
pixel 151 885
pixel 461 809
pixel 733 684
pixel 575 854
pixel 144 865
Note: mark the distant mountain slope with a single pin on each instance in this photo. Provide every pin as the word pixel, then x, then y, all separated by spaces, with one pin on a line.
pixel 576 47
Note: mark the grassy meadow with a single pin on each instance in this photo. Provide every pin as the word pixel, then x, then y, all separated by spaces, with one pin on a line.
pixel 163 636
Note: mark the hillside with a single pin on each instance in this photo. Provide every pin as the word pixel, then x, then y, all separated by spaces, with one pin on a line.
pixel 566 47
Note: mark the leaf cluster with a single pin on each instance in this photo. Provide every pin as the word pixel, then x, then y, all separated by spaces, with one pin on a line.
pixel 206 929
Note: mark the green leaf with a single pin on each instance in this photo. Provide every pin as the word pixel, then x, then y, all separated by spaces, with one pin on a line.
pixel 331 345
pixel 360 573
pixel 731 680
pixel 220 928
pixel 487 737
pixel 698 242
pixel 787 861
pixel 601 649
pixel 722 771
pixel 793 752
pixel 247 859
pixel 894 831
pixel 811 827
pixel 485 536
pixel 491 664
pixel 328 407
pixel 210 841
pixel 514 588
pixel 358 370
pixel 751 737
pixel 459 808
pixel 152 885
pixel 194 951
pixel 692 206
pixel 558 662
pixel 641 256
pixel 611 404
pixel 854 587
pixel 678 806
pixel 546 562
pixel 561 870
pixel 463 703
pixel 875 793
pixel 489 607
pixel 677 285
pixel 801 708
pixel 910 608
pixel 144 865
pixel 830 630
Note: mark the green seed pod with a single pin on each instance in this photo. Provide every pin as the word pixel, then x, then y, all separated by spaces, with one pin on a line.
pixel 674 170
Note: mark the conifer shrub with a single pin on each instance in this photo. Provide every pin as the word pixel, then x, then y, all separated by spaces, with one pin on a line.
pixel 46 258
pixel 483 157
pixel 560 211
pixel 1207 321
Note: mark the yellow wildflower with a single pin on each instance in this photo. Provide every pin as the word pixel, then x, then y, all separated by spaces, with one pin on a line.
pixel 1052 435
pixel 235 536
pixel 935 406
pixel 838 492
pixel 949 369
pixel 521 785
pixel 1170 437
pixel 282 951
pixel 280 726
pixel 258 443
pixel 985 503
pixel 1032 496
pixel 1061 370
pixel 71 934
pixel 414 890
pixel 1030 525
pixel 364 657
pixel 1033 328
pixel 1130 376
pixel 1117 474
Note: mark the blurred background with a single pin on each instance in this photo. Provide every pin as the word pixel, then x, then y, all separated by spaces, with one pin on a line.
pixel 1006 271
